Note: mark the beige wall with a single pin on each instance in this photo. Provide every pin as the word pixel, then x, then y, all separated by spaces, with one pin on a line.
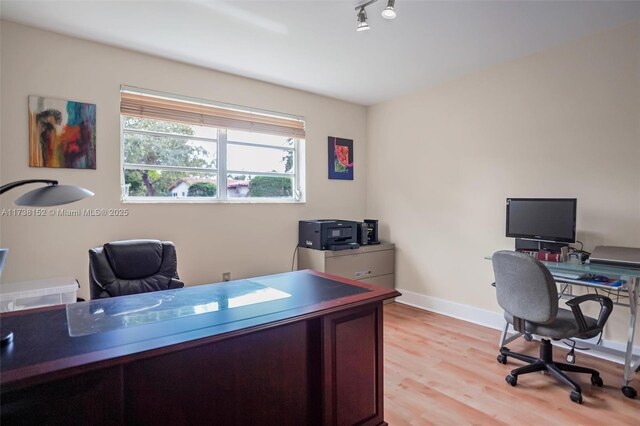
pixel 246 240
pixel 439 162
pixel 561 123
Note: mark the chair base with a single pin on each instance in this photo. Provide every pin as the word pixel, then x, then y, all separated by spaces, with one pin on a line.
pixel 545 363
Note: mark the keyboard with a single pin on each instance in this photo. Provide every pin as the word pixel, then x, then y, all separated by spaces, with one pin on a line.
pixel 568 275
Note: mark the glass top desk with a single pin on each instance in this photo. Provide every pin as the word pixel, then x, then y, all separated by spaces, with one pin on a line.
pixel 627 291
pixel 271 345
pixel 127 325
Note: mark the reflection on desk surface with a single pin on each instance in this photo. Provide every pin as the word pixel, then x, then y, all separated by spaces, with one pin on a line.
pixel 129 311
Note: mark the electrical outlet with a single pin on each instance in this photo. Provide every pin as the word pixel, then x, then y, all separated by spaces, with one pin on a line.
pixel 226 276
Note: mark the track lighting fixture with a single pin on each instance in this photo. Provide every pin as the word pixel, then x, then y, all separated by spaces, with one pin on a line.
pixel 389 12
pixel 362 20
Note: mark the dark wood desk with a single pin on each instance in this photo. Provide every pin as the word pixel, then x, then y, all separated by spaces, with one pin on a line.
pixel 310 355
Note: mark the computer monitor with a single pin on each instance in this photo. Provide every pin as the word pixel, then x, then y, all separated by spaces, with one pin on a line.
pixel 542 219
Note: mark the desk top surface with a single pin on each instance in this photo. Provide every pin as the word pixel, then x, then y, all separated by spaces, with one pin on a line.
pixel 50 339
pixel 591 268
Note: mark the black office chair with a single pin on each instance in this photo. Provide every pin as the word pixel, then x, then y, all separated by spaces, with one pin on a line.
pixel 132 266
pixel 527 292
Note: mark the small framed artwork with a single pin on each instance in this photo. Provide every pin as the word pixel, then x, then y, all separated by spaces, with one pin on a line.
pixel 62 134
pixel 340 158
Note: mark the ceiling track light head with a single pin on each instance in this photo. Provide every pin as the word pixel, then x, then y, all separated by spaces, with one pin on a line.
pixel 362 20
pixel 389 12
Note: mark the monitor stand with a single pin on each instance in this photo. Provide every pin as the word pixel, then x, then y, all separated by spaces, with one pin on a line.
pixel 530 245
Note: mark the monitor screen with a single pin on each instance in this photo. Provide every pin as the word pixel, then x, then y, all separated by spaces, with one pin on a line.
pixel 542 219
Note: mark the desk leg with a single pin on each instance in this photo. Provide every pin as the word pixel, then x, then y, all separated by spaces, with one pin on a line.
pixel 629 369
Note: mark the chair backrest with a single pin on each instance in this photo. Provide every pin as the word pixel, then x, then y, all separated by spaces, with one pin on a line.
pixel 132 266
pixel 525 287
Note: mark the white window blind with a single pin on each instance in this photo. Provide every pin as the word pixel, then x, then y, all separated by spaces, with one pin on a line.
pixel 144 103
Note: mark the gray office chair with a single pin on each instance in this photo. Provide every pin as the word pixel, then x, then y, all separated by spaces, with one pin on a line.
pixel 527 292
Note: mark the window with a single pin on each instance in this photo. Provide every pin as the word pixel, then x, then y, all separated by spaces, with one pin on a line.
pixel 178 149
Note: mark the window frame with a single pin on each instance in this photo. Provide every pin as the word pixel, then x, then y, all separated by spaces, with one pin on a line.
pixel 297 174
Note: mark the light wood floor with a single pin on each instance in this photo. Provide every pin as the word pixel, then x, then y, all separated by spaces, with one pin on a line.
pixel 443 371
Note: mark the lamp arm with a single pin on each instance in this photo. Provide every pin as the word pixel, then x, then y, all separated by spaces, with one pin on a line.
pixel 8 186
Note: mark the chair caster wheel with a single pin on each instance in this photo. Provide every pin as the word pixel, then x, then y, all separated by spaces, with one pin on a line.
pixel 576 397
pixel 502 359
pixel 597 381
pixel 528 337
pixel 512 380
pixel 629 392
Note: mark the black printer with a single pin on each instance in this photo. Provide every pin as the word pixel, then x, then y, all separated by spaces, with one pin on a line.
pixel 328 234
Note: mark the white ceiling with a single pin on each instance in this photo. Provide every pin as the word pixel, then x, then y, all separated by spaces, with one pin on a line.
pixel 313 45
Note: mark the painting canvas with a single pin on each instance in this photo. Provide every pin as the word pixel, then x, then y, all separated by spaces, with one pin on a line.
pixel 61 133
pixel 340 158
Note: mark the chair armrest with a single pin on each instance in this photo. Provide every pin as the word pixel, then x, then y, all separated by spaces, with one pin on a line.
pixel 174 283
pixel 606 307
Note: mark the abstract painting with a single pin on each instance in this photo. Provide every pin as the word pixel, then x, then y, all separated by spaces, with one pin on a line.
pixel 340 158
pixel 61 133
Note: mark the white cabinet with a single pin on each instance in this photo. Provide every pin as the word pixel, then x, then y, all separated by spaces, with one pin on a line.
pixel 373 264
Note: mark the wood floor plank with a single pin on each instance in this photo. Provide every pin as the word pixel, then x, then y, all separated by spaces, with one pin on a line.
pixel 443 371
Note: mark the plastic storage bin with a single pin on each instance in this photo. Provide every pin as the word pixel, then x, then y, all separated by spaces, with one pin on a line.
pixel 35 294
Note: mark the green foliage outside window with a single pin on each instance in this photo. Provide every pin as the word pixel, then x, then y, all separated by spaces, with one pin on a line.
pixel 274 186
pixel 270 186
pixel 202 189
pixel 164 151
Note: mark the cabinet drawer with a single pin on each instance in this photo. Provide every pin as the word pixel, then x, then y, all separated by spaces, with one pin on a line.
pixel 387 281
pixel 361 265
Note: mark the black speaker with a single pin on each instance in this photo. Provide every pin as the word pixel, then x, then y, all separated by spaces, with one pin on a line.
pixel 363 233
pixel 529 245
pixel 372 231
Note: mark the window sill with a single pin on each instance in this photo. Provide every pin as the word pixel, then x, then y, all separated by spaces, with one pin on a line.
pixel 151 200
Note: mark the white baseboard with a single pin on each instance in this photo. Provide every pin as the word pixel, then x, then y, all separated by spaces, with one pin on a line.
pixel 609 350
pixel 452 309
